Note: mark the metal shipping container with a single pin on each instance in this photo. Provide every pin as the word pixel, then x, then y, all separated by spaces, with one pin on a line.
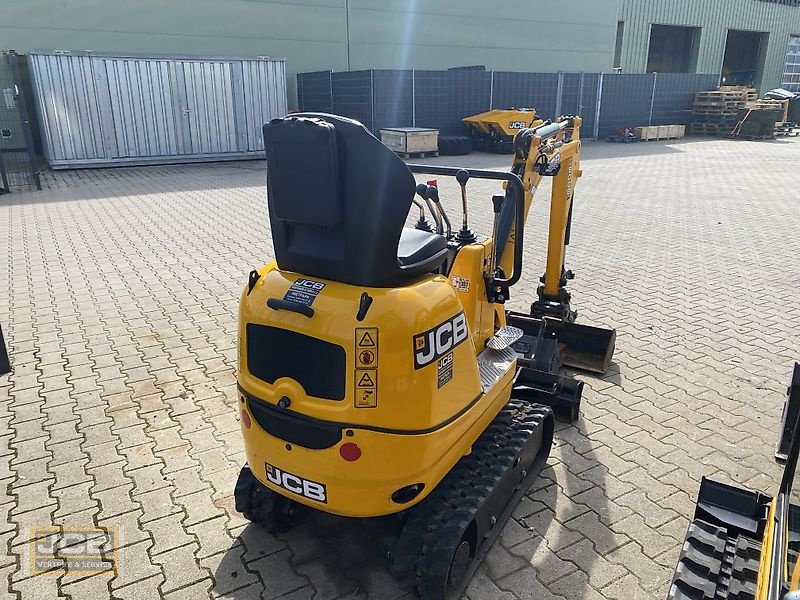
pixel 98 109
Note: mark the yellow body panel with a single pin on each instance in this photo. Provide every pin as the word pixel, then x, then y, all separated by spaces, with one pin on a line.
pixel 388 462
pixel 762 583
pixel 504 121
pixel 466 276
pixel 419 425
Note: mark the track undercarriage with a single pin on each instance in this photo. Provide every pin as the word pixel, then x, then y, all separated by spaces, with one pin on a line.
pixel 442 540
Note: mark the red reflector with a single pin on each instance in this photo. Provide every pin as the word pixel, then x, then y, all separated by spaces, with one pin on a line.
pixel 246 419
pixel 350 451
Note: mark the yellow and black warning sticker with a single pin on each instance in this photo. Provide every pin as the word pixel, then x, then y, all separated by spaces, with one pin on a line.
pixel 366 395
pixel 366 347
pixel 304 291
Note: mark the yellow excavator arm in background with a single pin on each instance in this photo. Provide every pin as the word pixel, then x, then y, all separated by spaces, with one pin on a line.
pixel 549 150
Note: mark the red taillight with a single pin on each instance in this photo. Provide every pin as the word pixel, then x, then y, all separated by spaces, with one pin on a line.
pixel 246 419
pixel 350 452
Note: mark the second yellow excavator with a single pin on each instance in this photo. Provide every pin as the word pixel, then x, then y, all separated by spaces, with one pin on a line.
pixel 494 130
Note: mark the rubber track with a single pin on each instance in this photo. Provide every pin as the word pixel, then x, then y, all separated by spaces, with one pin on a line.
pixel 441 518
pixel 714 566
pixel 253 500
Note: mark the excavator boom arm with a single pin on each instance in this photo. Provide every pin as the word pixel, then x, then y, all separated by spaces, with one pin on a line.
pixel 552 150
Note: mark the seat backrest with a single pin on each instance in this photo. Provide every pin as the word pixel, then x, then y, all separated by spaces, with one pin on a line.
pixel 338 199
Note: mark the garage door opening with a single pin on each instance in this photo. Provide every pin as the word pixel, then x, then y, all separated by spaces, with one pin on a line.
pixel 744 57
pixel 673 49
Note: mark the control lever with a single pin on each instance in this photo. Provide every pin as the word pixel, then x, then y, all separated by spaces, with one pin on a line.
pixel 433 194
pixel 466 235
pixel 422 223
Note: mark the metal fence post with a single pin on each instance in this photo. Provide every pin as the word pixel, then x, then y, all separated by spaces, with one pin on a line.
pixel 597 106
pixel 559 94
pixel 579 108
pixel 5 364
pixel 300 85
pixel 491 90
pixel 652 98
pixel 372 97
pixel 413 97
pixel 330 86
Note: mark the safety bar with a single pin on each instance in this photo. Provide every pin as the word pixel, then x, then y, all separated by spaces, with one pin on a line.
pixel 519 199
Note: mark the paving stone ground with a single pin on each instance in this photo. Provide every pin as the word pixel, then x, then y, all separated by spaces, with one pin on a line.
pixel 118 298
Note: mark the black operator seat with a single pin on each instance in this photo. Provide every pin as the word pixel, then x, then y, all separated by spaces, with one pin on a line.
pixel 338 199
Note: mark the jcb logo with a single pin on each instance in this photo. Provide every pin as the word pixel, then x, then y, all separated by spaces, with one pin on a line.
pixel 309 284
pixel 446 361
pixel 436 342
pixel 297 485
pixel 517 125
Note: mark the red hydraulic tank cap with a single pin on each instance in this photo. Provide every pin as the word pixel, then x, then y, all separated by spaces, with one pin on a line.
pixel 246 419
pixel 350 452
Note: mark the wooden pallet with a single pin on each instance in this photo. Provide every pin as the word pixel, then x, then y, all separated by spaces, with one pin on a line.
pixel 719 104
pixel 662 138
pixel 717 119
pixel 751 138
pixel 725 101
pixel 710 112
pixel 710 129
pixel 748 92
pixel 408 155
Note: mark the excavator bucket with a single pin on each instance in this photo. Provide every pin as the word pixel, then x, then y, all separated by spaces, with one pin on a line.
pixel 580 346
pixel 743 544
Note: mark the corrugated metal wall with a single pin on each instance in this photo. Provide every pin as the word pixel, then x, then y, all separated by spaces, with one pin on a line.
pixel 96 109
pixel 715 19
pixel 330 34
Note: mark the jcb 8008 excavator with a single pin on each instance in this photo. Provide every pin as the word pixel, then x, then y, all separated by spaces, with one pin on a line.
pixel 379 372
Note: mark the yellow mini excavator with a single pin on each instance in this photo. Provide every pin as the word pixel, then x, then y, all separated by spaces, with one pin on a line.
pixel 744 545
pixel 380 376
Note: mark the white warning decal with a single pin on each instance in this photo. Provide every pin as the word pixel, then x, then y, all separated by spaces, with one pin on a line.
pixel 460 283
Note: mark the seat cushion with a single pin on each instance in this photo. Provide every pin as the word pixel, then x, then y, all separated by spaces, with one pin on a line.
pixel 420 250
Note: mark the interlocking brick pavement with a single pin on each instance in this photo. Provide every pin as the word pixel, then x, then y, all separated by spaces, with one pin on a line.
pixel 118 297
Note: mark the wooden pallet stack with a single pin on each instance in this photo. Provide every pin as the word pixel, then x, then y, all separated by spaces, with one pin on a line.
pixel 715 112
